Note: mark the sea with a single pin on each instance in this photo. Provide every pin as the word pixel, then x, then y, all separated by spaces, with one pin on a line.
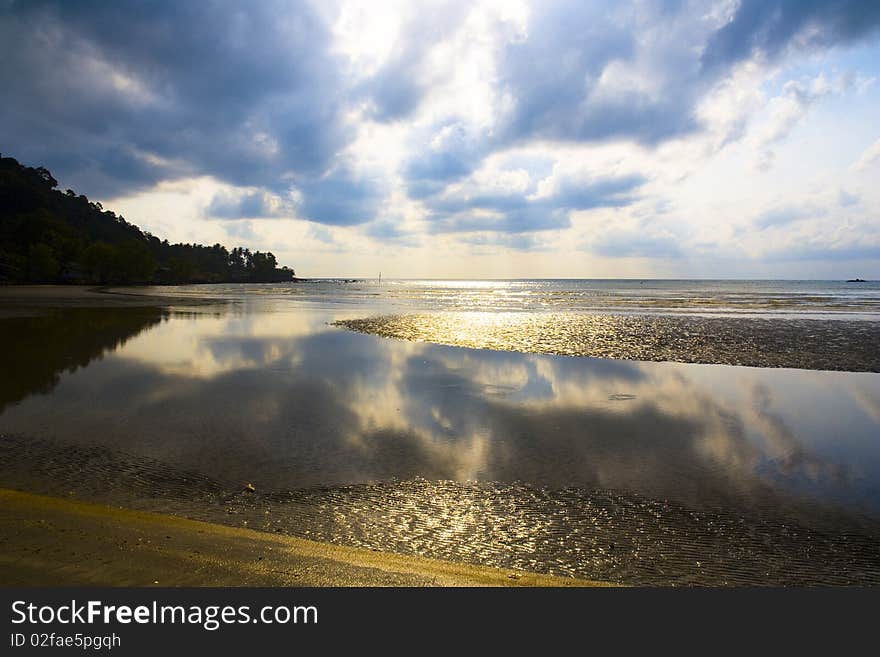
pixel 778 298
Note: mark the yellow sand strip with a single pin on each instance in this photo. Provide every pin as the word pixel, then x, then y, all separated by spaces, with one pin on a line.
pixel 47 541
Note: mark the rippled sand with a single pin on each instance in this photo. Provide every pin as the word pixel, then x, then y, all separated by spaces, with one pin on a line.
pixel 594 534
pixel 847 345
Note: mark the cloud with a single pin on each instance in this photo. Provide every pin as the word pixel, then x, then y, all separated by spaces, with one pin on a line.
pixel 444 154
pixel 582 73
pixel 575 193
pixel 384 230
pixel 392 231
pixel 340 198
pixel 791 105
pixel 397 88
pixel 830 252
pixel 590 71
pixel 767 28
pixel 579 73
pixel 787 109
pixel 240 230
pixel 844 239
pixel 845 199
pixel 114 99
pixel 250 204
pixel 518 220
pixel 787 214
pixel 528 242
pixel 635 244
pixel 869 157
pixel 321 234
pixel 512 211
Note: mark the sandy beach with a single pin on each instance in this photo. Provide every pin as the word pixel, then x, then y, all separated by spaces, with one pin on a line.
pixel 46 541
pixel 32 300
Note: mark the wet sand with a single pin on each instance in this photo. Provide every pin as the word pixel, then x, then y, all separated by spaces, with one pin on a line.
pixel 604 535
pixel 811 344
pixel 46 541
pixel 35 300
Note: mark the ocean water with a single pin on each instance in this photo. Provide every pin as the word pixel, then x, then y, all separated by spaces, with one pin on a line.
pixel 469 439
pixel 820 325
pixel 815 299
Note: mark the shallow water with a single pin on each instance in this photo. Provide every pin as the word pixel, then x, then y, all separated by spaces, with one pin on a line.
pixel 638 472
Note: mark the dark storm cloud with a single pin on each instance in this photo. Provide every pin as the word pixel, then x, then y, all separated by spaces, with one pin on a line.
pixel 341 198
pixel 515 213
pixel 768 28
pixel 114 97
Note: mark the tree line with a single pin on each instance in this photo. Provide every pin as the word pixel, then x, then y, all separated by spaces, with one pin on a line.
pixel 50 236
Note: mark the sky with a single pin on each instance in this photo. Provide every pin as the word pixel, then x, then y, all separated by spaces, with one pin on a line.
pixel 497 139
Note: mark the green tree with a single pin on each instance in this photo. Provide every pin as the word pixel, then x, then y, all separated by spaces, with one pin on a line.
pixel 48 235
pixel 135 263
pixel 100 260
pixel 42 264
pixel 181 270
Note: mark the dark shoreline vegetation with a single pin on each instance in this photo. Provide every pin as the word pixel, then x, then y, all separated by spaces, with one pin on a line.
pixel 49 236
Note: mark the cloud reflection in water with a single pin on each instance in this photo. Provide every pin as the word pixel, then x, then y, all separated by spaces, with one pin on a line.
pixel 284 400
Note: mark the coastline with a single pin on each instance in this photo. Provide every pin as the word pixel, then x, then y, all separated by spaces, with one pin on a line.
pixel 34 300
pixel 49 541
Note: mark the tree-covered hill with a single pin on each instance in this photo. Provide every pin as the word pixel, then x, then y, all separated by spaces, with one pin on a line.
pixel 49 236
